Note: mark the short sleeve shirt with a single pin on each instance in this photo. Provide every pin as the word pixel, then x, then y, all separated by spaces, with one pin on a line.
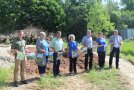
pixel 57 44
pixel 101 41
pixel 72 47
pixel 19 45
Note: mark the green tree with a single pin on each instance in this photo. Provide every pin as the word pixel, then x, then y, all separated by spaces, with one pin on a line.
pixel 76 19
pixel 17 14
pixel 99 19
pixel 129 4
pixel 128 18
pixel 47 14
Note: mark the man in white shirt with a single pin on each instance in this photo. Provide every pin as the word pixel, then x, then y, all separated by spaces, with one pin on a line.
pixel 115 42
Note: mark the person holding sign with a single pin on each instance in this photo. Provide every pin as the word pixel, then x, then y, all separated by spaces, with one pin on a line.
pixel 18 48
pixel 101 49
pixel 73 53
pixel 87 42
pixel 115 42
pixel 57 46
pixel 42 54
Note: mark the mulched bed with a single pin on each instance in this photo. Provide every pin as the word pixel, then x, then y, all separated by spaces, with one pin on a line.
pixel 31 67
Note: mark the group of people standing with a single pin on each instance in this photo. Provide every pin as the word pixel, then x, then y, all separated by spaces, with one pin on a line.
pixel 56 45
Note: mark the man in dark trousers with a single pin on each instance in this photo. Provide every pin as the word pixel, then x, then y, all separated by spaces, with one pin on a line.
pixel 87 42
pixel 57 46
pixel 115 42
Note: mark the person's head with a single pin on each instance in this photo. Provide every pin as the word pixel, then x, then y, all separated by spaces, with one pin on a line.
pixel 100 35
pixel 58 34
pixel 71 37
pixel 115 32
pixel 42 35
pixel 20 34
pixel 88 32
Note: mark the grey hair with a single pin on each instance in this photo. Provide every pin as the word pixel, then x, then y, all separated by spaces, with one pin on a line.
pixel 89 31
pixel 115 30
pixel 71 35
pixel 43 33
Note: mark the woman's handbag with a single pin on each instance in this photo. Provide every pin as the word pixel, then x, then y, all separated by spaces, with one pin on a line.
pixel 74 54
pixel 20 56
pixel 31 56
pixel 40 59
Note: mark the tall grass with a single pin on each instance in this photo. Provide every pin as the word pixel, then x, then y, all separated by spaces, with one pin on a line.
pixel 4 76
pixel 105 80
pixel 127 48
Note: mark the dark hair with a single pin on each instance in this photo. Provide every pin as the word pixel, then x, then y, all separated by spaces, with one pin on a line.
pixel 100 33
pixel 20 31
pixel 58 32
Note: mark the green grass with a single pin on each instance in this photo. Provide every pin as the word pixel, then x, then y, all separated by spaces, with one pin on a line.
pixel 105 80
pixel 4 76
pixel 127 48
pixel 49 82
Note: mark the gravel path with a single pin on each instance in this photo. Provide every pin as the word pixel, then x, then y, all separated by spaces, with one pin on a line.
pixel 127 70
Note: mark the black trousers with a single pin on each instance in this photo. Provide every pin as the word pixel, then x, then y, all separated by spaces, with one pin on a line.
pixel 42 69
pixel 88 59
pixel 117 52
pixel 56 64
pixel 72 64
pixel 101 57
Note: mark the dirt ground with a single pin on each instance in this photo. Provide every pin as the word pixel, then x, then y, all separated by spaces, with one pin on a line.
pixel 64 67
pixel 74 82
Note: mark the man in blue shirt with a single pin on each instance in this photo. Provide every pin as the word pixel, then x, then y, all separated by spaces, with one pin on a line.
pixel 87 42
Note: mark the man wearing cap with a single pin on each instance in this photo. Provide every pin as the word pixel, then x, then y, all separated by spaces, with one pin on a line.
pixel 87 42
pixel 115 41
pixel 57 46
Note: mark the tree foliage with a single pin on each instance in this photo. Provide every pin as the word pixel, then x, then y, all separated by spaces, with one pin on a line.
pixel 70 16
pixel 18 14
pixel 129 4
pixel 99 19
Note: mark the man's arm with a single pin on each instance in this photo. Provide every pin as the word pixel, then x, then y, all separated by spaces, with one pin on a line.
pixel 111 42
pixel 13 47
pixel 83 41
pixel 120 40
pixel 52 45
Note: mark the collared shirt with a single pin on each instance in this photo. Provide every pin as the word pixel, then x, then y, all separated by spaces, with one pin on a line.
pixel 72 47
pixel 87 41
pixel 19 45
pixel 57 44
pixel 116 43
pixel 42 44
pixel 101 41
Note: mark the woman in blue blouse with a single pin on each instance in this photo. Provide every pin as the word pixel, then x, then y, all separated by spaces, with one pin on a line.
pixel 101 49
pixel 72 46
pixel 42 48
